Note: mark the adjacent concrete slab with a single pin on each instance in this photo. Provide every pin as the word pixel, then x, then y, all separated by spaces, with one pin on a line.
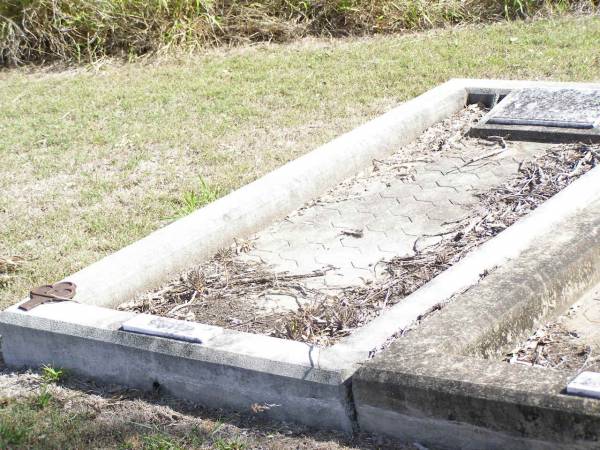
pixel 442 383
pixel 560 108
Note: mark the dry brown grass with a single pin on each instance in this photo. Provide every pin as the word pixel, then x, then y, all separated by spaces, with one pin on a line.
pixel 84 30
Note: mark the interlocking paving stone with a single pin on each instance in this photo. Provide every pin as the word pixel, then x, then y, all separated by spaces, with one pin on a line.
pixel 392 207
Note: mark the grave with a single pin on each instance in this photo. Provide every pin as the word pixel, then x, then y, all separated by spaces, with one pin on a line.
pixel 425 356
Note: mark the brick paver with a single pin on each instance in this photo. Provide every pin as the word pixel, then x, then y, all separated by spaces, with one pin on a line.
pixel 406 197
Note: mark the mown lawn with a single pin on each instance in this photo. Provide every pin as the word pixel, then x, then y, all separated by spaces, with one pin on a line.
pixel 94 158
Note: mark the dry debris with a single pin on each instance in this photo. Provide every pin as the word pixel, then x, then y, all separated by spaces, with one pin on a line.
pixel 217 291
pixel 553 346
pixel 446 136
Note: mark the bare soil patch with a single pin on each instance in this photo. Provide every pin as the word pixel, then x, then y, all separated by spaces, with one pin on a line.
pixel 217 291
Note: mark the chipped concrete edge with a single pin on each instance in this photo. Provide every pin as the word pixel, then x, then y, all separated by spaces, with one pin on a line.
pixel 304 382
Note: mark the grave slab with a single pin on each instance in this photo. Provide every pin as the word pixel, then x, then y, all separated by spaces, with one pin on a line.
pixel 544 114
pixel 306 383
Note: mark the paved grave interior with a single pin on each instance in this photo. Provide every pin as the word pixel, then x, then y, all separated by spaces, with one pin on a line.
pixel 415 195
pixel 402 203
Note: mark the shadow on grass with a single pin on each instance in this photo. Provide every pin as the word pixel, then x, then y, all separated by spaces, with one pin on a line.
pixel 74 412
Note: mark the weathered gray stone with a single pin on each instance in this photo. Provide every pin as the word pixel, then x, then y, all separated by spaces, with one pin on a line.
pixel 562 108
pixel 552 114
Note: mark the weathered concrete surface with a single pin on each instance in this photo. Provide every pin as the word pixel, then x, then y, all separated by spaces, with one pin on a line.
pixel 562 108
pixel 584 319
pixel 509 244
pixel 437 378
pixel 390 211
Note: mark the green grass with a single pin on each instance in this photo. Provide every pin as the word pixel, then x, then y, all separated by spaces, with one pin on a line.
pixel 30 424
pixel 94 159
pixel 196 198
pixel 52 375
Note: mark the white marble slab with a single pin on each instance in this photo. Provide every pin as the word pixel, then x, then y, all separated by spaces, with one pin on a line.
pixel 586 384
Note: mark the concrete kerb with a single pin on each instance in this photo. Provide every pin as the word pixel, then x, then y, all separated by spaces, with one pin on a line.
pixel 508 244
pixel 301 381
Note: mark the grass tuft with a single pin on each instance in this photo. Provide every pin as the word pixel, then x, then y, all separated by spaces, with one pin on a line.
pixel 52 375
pixel 159 442
pixel 43 398
pixel 228 444
pixel 194 199
pixel 12 435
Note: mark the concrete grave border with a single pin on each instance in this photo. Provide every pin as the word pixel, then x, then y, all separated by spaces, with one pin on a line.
pixel 232 369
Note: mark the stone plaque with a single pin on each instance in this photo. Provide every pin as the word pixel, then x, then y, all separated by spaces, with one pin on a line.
pixel 586 384
pixel 166 327
pixel 561 108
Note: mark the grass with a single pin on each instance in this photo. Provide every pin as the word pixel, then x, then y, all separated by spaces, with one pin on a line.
pixel 48 416
pixel 96 157
pixel 33 423
pixel 93 159
pixel 85 30
pixel 196 198
pixel 52 375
